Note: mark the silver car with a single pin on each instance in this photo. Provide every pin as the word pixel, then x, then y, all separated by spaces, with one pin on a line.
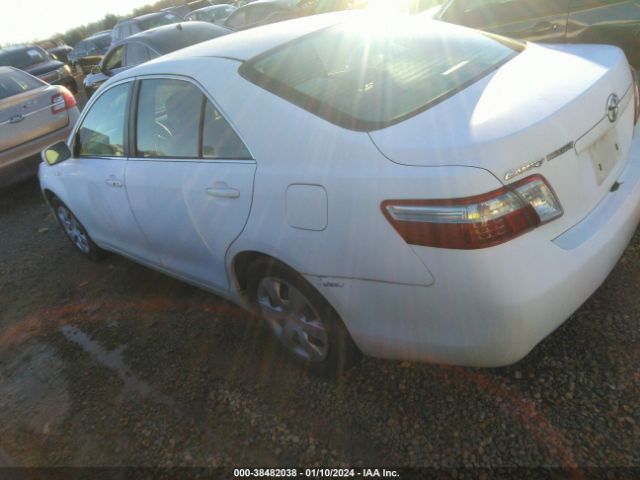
pixel 33 114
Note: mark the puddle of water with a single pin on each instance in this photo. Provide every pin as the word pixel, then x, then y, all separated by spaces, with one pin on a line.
pixel 113 360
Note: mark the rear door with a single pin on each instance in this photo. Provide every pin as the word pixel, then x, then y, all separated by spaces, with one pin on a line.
pixel 615 22
pixel 29 109
pixel 535 20
pixel 190 180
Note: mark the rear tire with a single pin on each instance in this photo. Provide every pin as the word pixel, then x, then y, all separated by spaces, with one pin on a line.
pixel 76 232
pixel 302 321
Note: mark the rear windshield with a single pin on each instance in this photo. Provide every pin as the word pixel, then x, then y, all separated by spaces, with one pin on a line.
pixel 157 21
pixel 14 83
pixel 23 57
pixel 365 77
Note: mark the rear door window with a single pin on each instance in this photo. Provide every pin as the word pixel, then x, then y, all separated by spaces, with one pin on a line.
pixel 168 119
pixel 363 77
pixel 176 120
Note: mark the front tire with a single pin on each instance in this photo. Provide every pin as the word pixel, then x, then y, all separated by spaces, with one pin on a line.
pixel 76 232
pixel 302 321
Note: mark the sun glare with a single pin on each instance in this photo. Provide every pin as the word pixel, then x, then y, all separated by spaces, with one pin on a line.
pixel 389 6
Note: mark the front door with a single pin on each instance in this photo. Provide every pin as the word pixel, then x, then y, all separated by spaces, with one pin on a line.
pixel 94 177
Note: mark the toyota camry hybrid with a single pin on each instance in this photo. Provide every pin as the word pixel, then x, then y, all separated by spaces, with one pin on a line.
pixel 410 189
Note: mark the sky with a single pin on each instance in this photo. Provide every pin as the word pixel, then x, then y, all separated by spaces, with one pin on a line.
pixel 26 20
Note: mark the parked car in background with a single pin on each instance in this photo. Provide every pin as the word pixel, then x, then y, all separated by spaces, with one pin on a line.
pixel 614 22
pixel 144 46
pixel 126 28
pixel 33 115
pixel 89 51
pixel 262 12
pixel 57 48
pixel 215 14
pixel 328 174
pixel 179 11
pixel 36 61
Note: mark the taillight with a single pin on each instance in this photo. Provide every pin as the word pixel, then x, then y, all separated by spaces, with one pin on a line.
pixel 636 97
pixel 475 222
pixel 62 101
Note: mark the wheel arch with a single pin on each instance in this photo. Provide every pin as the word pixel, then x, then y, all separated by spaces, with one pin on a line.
pixel 241 263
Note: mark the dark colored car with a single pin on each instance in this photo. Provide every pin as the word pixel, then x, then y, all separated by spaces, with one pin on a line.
pixel 615 22
pixel 262 12
pixel 57 48
pixel 214 14
pixel 126 28
pixel 89 51
pixel 36 61
pixel 147 45
pixel 179 10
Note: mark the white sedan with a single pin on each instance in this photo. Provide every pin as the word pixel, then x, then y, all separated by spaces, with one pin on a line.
pixel 414 190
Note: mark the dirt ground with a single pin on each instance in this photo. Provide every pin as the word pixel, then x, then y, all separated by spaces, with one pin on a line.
pixel 113 364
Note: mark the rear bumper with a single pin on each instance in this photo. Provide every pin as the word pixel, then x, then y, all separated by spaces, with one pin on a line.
pixel 491 307
pixel 22 162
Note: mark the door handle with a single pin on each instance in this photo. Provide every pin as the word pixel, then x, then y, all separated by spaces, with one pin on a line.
pixel 113 182
pixel 543 28
pixel 223 192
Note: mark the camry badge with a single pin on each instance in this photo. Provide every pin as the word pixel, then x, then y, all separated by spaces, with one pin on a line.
pixel 538 163
pixel 613 107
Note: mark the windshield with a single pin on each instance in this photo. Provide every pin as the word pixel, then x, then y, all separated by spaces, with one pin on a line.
pixel 103 41
pixel 362 78
pixel 158 20
pixel 23 58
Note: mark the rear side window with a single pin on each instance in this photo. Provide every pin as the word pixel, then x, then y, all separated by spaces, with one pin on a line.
pixel 175 120
pixel 365 77
pixel 23 57
pixel 14 83
pixel 102 131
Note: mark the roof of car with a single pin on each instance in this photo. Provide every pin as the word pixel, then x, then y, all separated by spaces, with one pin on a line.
pixel 15 48
pixel 212 7
pixel 151 15
pixel 98 35
pixel 167 37
pixel 250 43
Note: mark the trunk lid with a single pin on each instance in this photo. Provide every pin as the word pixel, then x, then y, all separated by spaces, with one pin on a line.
pixel 543 112
pixel 29 115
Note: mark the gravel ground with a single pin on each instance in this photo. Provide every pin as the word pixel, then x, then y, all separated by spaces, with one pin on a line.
pixel 114 364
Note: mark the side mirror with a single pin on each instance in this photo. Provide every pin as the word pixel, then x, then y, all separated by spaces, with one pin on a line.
pixel 106 71
pixel 56 153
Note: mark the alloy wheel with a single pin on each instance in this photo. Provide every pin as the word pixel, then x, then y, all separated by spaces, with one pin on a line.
pixel 73 229
pixel 293 319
